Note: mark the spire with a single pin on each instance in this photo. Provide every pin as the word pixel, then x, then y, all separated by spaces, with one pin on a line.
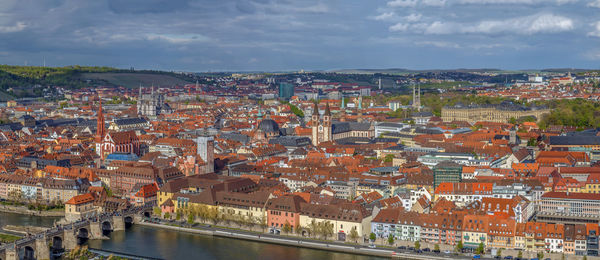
pixel 316 110
pixel 140 94
pixel 327 111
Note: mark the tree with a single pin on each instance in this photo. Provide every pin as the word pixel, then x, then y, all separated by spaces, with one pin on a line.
pixel 417 245
pixel 298 229
pixel 178 215
pixel 531 142
pixel 499 252
pixel 372 237
pixel 263 222
pixel 540 255
pixel 389 158
pixel 391 239
pixel 354 234
pixel 167 215
pixel 520 254
pixel 459 246
pixel 286 227
pixel 313 228
pixel 584 257
pixel 436 247
pixel 480 248
pixel 190 219
pixel 156 211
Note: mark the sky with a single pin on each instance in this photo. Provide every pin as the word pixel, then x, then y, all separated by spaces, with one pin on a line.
pixel 288 35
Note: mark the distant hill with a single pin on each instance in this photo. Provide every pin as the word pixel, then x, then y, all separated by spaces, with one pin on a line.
pixel 132 80
pixel 33 81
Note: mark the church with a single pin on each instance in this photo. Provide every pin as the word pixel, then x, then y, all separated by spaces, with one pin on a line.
pixel 325 130
pixel 111 142
pixel 151 105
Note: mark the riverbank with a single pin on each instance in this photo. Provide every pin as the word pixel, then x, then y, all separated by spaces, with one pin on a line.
pixel 296 242
pixel 25 211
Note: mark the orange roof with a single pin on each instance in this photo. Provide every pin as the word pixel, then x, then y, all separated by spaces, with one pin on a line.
pixel 81 199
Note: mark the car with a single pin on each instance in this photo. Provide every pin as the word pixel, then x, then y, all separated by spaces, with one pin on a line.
pixel 447 252
pixel 411 248
pixel 497 257
pixel 476 257
pixel 426 250
pixel 508 257
pixel 402 247
pixel 372 246
pixel 419 251
pixel 437 251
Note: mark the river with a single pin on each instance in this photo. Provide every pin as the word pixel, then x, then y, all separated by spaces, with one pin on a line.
pixel 168 244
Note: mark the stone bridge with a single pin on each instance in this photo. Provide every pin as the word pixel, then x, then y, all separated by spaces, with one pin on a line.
pixel 47 244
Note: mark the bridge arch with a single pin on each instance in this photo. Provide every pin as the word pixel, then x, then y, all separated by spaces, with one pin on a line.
pixel 128 220
pixel 147 214
pixel 83 235
pixel 106 227
pixel 28 253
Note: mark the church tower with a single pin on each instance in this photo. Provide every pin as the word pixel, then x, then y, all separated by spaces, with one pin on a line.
pixel 100 131
pixel 314 123
pixel 327 124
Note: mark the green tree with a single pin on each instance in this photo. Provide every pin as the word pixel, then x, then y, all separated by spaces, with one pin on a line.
pixel 190 219
pixel 354 234
pixel 480 248
pixel 298 229
pixel 540 255
pixel 531 142
pixel 499 253
pixel 389 158
pixel 520 254
pixel 391 239
pixel 436 247
pixel 156 211
pixel 584 257
pixel 417 245
pixel 286 227
pixel 512 120
pixel 167 215
pixel 372 237
pixel 178 215
pixel 459 246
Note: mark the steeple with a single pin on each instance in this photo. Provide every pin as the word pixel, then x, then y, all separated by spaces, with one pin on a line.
pixel 100 131
pixel 327 111
pixel 316 110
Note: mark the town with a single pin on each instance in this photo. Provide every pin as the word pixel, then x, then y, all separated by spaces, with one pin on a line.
pixel 401 166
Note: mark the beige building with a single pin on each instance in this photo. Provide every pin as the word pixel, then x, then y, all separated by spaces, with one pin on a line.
pixel 500 113
pixel 80 206
pixel 344 218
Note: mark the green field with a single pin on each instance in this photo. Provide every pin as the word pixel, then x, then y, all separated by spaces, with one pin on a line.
pixel 133 80
pixel 7 238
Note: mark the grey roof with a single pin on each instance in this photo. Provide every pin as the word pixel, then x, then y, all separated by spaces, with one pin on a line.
pixel 268 126
pixel 236 137
pixel 421 114
pixel 291 141
pixel 575 140
pixel 340 127
pixel 398 125
pixel 359 126
pixel 448 164
pixel 353 140
pixel 425 130
pixel 130 121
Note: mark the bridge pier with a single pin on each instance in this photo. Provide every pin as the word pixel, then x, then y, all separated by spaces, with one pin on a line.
pixel 95 230
pixel 118 223
pixel 12 254
pixel 42 250
pixel 69 239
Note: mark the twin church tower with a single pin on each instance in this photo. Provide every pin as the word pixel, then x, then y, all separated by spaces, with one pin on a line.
pixel 321 129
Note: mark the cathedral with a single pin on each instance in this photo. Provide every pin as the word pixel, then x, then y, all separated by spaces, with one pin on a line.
pixel 151 105
pixel 321 129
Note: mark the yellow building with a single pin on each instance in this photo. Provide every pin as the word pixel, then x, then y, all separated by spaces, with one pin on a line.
pixel 344 218
pixel 500 113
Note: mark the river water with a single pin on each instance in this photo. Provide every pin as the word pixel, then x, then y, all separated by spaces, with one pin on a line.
pixel 168 244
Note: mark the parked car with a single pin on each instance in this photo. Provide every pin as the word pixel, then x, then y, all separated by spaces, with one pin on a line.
pixel 426 250
pixel 372 246
pixel 411 248
pixel 419 251
pixel 476 257
pixel 508 257
pixel 437 251
pixel 402 247
pixel 447 252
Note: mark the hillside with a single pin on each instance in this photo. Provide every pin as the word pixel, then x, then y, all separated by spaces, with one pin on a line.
pixel 32 81
pixel 132 80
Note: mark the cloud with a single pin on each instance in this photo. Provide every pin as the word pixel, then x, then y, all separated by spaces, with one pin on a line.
pixel 515 2
pixel 596 31
pixel 17 27
pixel 402 3
pixel 413 17
pixel 385 16
pixel 595 3
pixel 178 39
pixel 434 2
pixel 528 25
pixel 399 27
